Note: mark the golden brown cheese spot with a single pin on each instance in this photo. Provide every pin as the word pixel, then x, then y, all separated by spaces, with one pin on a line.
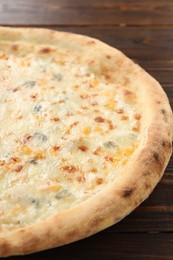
pixel 99 181
pixel 69 168
pixel 55 148
pixel 81 179
pixel 34 96
pixel 75 87
pixel 27 138
pixel 108 158
pixel 2 162
pixel 45 50
pixel 129 96
pixel 16 89
pixel 26 150
pixel 14 47
pixel 110 124
pixel 136 126
pixel 39 154
pixel 111 104
pixel 94 170
pixel 119 111
pixel 137 116
pixel 15 159
pixel 98 151
pixel 83 148
pixel 86 130
pixel 55 119
pixel 125 117
pixel 69 114
pixel 84 96
pixel 94 103
pixel 108 77
pixel 4 56
pixel 99 119
pixel 84 107
pixel 94 82
pixel 18 168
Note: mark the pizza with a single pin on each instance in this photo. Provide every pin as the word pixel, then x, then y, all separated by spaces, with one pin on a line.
pixel 85 137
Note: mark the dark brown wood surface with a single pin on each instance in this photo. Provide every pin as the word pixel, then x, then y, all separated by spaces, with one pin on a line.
pixel 143 30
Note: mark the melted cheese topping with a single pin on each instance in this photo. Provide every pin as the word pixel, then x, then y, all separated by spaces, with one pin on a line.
pixel 64 135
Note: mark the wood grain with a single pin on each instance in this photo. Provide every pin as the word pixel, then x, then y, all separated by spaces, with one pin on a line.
pixel 78 12
pixel 130 246
pixel 141 45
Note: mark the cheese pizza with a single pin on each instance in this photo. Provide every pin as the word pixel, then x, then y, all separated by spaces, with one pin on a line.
pixel 85 137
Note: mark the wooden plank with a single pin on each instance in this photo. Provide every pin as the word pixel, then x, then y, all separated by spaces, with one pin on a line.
pixel 78 12
pixel 113 246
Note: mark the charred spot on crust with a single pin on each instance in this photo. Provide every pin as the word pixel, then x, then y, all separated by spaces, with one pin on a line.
pixel 163 143
pixel 166 144
pixel 156 157
pixel 108 57
pixel 127 192
pixel 91 42
pixel 163 111
pixel 147 186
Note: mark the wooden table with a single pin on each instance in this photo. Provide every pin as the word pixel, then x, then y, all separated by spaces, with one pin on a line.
pixel 144 31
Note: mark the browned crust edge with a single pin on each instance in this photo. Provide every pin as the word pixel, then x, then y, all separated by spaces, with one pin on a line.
pixel 138 178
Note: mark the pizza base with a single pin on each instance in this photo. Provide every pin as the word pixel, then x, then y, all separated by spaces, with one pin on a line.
pixel 139 176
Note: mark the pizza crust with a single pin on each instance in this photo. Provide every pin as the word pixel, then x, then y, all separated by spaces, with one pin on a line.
pixel 139 176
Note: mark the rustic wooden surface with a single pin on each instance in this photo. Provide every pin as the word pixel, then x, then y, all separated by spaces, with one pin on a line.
pixel 144 31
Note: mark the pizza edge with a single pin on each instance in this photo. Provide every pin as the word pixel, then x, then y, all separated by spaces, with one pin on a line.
pixel 140 175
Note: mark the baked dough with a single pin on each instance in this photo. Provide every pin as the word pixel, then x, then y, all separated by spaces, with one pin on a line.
pixel 85 137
